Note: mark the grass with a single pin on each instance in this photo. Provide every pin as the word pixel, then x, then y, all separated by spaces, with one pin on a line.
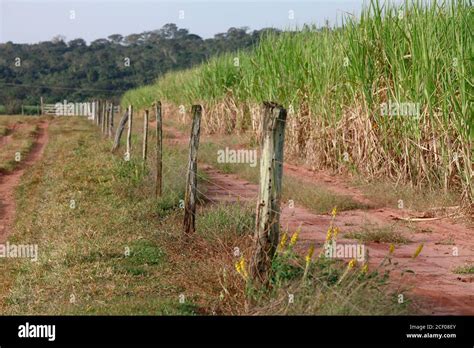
pixel 21 142
pixel 335 84
pixel 226 221
pixel 383 193
pixel 378 234
pixel 325 286
pixel 120 250
pixel 102 252
pixel 467 269
pixel 448 241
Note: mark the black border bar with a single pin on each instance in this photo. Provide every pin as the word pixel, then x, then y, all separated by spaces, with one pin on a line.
pixel 274 330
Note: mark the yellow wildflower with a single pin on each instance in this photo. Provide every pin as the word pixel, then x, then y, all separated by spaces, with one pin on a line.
pixel 238 267
pixel 329 234
pixel 352 263
pixel 294 238
pixel 391 249
pixel 418 250
pixel 365 268
pixel 284 238
pixel 310 254
pixel 241 269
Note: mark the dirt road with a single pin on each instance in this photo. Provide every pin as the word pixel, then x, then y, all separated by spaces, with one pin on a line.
pixel 9 181
pixel 432 284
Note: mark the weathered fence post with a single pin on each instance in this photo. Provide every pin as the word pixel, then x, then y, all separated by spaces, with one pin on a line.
pixel 191 181
pixel 92 110
pixel 268 205
pixel 95 112
pixel 129 134
pixel 104 116
pixel 106 127
pixel 111 121
pixel 97 102
pixel 145 137
pixel 119 131
pixel 42 105
pixel 159 149
pixel 99 112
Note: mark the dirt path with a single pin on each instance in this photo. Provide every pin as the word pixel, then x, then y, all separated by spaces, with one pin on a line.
pixel 433 285
pixel 8 182
pixel 446 245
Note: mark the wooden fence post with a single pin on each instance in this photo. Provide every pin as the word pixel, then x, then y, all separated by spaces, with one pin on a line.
pixel 104 115
pixel 99 112
pixel 42 105
pixel 111 121
pixel 129 134
pixel 97 106
pixel 145 137
pixel 267 228
pixel 119 131
pixel 95 111
pixel 159 149
pixel 191 181
pixel 92 110
pixel 106 126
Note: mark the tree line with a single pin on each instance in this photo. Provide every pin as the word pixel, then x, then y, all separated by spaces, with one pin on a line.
pixel 106 67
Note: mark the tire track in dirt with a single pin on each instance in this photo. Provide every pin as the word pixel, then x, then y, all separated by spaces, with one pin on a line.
pixel 433 285
pixel 9 181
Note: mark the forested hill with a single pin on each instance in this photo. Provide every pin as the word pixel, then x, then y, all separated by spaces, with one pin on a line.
pixel 76 70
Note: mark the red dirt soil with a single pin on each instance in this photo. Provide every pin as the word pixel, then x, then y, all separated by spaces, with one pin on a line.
pixel 9 182
pixel 433 286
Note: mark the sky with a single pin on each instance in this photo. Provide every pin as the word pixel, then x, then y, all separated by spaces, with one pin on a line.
pixel 31 21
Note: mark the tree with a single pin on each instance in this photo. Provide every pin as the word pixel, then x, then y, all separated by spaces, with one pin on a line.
pixel 77 43
pixel 58 39
pixel 169 31
pixel 100 64
pixel 116 39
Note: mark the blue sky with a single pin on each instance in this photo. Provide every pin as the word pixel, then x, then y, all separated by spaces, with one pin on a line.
pixel 39 20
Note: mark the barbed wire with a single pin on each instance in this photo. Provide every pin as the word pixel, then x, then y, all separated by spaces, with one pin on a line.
pixel 184 170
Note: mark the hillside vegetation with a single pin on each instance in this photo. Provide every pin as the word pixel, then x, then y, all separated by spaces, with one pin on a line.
pixel 105 68
pixel 388 94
